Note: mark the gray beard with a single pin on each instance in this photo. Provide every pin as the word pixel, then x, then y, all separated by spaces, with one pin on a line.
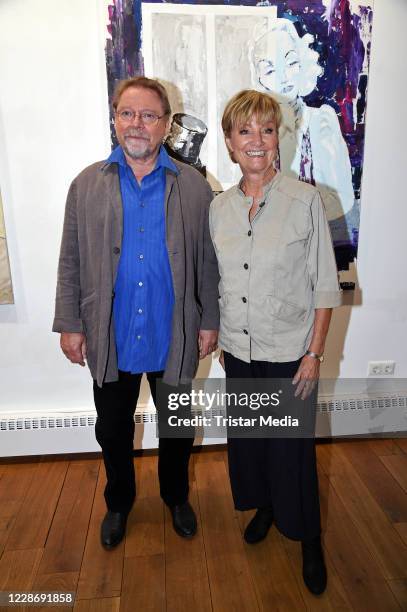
pixel 138 154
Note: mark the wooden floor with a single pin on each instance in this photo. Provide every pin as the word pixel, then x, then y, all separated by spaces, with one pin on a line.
pixel 50 513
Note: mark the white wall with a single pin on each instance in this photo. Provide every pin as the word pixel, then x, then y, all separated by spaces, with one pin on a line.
pixel 54 121
pixel 376 330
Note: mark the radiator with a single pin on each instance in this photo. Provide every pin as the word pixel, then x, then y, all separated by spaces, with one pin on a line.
pixel 30 433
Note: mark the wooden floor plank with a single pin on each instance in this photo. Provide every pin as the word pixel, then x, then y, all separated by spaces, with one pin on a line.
pixel 101 571
pixel 66 540
pixel 402 444
pixel 187 582
pixel 143 584
pixel 401 529
pixel 145 526
pixel 397 466
pixel 229 574
pixel 378 534
pixel 62 582
pixel 18 569
pixel 34 518
pixel 109 604
pixel 384 446
pixel 14 484
pixel 399 588
pixel 328 459
pixel 381 484
pixel 359 572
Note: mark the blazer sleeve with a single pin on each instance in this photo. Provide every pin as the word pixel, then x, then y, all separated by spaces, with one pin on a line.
pixel 67 311
pixel 208 294
pixel 321 259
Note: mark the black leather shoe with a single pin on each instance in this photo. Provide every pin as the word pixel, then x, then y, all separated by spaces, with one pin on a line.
pixel 113 529
pixel 313 566
pixel 184 520
pixel 259 526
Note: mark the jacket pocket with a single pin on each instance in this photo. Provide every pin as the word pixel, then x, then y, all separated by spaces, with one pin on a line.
pixel 285 311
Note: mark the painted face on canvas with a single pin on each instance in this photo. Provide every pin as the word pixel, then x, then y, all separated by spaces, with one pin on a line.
pixel 278 65
pixel 254 145
pixel 138 139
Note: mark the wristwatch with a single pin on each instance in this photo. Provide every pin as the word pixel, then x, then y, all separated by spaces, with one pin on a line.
pixel 315 356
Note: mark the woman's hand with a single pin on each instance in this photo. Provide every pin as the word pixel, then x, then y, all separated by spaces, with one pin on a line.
pixel 306 377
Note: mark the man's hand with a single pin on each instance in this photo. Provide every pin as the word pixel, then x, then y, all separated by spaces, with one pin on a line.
pixel 306 376
pixel 207 342
pixel 73 346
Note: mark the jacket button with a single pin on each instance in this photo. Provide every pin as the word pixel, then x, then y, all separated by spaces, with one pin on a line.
pixel 245 331
pixel 246 266
pixel 249 233
pixel 116 250
pixel 244 300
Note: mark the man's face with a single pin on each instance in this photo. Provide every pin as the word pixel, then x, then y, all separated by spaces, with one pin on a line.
pixel 138 140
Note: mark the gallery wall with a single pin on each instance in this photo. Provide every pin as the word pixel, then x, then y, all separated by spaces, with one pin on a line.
pixel 54 121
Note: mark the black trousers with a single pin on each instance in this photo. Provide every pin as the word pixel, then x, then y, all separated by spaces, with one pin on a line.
pixel 115 406
pixel 277 472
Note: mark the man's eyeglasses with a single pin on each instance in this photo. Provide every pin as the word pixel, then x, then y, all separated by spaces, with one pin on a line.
pixel 147 117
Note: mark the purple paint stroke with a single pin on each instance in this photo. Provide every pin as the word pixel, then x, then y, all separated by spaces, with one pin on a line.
pixel 123 51
pixel 306 163
pixel 337 32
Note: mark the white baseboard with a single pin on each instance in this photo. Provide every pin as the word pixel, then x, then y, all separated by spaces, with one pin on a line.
pixel 46 433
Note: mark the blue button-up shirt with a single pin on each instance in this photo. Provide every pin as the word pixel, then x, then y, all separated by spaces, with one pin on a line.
pixel 144 295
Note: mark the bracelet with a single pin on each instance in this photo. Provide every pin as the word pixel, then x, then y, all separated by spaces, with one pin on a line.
pixel 315 356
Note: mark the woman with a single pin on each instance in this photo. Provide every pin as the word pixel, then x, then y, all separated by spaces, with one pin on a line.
pixel 312 147
pixel 278 284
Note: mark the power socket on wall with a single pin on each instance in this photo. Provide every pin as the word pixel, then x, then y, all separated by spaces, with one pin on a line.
pixel 381 368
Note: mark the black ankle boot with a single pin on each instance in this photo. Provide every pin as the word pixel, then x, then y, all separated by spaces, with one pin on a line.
pixel 258 527
pixel 313 566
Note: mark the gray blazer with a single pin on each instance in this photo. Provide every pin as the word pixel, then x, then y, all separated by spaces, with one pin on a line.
pixel 89 257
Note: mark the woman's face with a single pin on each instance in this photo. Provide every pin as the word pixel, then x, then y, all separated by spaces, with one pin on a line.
pixel 279 71
pixel 254 145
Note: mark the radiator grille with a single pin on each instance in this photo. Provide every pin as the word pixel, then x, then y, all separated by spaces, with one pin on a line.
pixel 325 405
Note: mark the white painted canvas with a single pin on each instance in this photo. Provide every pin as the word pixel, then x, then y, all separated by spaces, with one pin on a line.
pixel 201 55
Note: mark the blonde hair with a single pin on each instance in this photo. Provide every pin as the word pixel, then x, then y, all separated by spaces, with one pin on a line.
pixel 247 104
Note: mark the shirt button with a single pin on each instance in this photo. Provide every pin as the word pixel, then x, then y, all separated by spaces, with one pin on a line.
pixel 141 256
pixel 140 284
pixel 142 204
pixel 138 337
pixel 116 250
pixel 245 331
pixel 244 300
pixel 246 266
pixel 141 229
pixel 249 233
pixel 140 311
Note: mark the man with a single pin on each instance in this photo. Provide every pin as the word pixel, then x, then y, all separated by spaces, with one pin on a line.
pixel 137 292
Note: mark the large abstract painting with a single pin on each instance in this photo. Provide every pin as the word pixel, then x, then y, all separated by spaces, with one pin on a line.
pixel 312 55
pixel 6 290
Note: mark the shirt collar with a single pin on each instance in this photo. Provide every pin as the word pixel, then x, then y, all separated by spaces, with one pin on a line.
pixel 163 160
pixel 266 189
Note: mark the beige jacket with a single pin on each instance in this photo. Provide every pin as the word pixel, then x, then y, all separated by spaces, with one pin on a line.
pixel 274 271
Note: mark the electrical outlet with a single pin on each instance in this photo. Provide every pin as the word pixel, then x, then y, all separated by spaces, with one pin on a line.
pixel 381 368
